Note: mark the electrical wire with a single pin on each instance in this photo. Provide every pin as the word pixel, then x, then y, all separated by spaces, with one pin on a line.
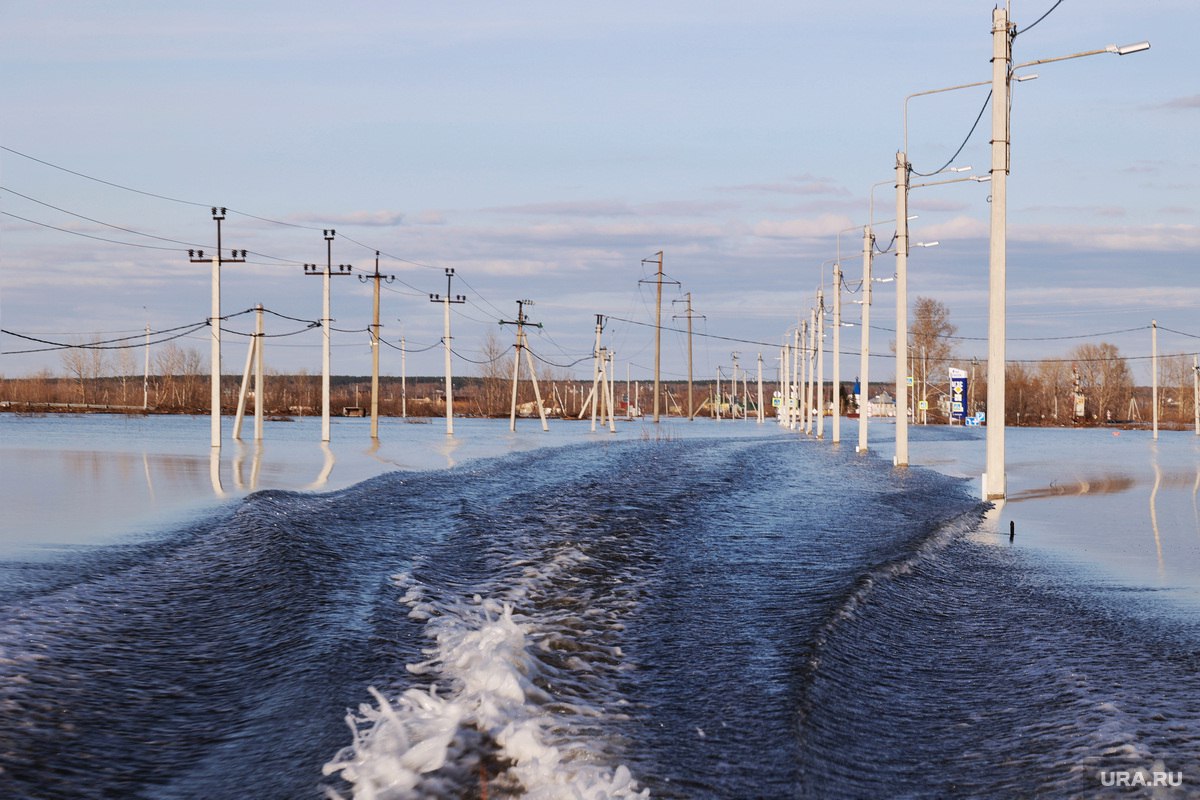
pixel 1030 26
pixel 677 330
pixel 970 133
pixel 531 351
pixel 106 183
pixel 95 346
pixel 98 222
pixel 485 361
pixel 88 235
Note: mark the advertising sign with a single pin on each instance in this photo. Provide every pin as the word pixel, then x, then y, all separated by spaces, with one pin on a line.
pixel 958 394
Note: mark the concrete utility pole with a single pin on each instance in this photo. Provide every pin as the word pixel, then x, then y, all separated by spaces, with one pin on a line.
pixel 446 301
pixel 600 398
pixel 994 480
pixel 796 382
pixel 689 314
pixel 214 320
pixel 403 380
pixel 901 458
pixel 760 390
pixel 836 389
pixel 1196 392
pixel 821 364
pixel 375 326
pixel 146 374
pixel 1154 372
pixel 254 365
pixel 657 326
pixel 781 415
pixel 864 409
pixel 520 347
pixel 810 368
pixel 326 323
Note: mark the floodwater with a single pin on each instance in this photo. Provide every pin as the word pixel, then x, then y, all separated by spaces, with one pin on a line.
pixel 703 610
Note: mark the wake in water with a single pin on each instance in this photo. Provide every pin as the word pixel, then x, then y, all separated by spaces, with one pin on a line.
pixel 667 619
pixel 506 709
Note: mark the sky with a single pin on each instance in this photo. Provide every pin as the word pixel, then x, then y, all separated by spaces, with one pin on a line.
pixel 548 151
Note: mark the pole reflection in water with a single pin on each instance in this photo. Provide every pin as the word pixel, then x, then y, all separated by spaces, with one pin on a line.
pixel 326 469
pixel 1154 516
pixel 214 471
pixel 239 463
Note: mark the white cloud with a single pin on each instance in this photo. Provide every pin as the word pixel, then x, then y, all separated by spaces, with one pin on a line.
pixel 1123 238
pixel 826 225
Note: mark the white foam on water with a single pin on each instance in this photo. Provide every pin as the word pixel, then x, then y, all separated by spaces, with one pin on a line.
pixel 495 709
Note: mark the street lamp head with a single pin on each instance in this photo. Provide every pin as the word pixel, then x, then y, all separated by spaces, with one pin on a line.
pixel 1126 49
pixel 926 244
pixel 967 168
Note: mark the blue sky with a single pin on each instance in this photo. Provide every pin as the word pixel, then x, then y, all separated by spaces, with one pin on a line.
pixel 543 149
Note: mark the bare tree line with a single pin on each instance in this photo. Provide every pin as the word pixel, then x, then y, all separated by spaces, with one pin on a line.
pixel 1091 384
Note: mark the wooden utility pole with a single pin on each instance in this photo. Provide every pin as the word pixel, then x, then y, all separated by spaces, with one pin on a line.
pixel 377 278
pixel 689 314
pixel 520 347
pixel 658 258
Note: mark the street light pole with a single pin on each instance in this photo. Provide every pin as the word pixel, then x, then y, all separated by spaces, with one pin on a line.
pixel 901 458
pixel 836 390
pixel 864 402
pixel 994 479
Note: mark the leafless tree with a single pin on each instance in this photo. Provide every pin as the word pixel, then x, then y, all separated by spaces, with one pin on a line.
pixel 1105 379
pixel 495 374
pixel 84 365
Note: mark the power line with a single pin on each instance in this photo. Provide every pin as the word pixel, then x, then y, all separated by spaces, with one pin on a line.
pixel 970 133
pixel 709 335
pixel 99 222
pixel 1030 26
pixel 88 235
pixel 106 183
pixel 96 345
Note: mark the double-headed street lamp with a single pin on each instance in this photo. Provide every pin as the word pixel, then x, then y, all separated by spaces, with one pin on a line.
pixel 994 480
pixel 902 247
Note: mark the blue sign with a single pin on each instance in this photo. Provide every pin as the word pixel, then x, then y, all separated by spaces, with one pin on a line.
pixel 958 397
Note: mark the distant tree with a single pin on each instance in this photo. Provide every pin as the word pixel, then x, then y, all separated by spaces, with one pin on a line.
pixel 930 346
pixel 1176 375
pixel 1052 384
pixel 126 370
pixel 85 365
pixel 1105 379
pixel 495 374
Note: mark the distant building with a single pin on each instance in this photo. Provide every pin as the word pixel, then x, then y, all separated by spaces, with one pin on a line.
pixel 882 405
